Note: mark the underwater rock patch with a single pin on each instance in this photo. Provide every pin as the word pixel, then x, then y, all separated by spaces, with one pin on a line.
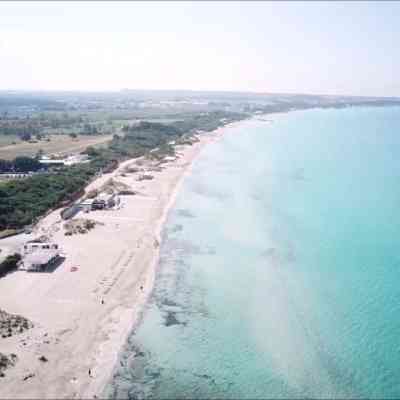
pixel 171 319
pixel 185 213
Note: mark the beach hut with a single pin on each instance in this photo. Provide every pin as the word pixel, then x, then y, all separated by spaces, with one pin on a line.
pixel 39 260
pixel 86 205
pixel 105 200
pixel 30 247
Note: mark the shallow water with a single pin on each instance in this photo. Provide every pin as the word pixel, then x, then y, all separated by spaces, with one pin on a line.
pixel 279 273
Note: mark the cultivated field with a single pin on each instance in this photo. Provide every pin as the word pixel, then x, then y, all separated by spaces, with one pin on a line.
pixel 61 144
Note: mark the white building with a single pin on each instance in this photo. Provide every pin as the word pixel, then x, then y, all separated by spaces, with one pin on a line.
pixel 77 159
pixel 49 162
pixel 70 160
pixel 39 260
pixel 37 256
pixel 16 175
pixel 31 247
pixel 105 200
pixel 86 205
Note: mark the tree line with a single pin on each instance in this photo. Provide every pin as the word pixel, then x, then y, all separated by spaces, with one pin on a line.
pixel 20 164
pixel 23 201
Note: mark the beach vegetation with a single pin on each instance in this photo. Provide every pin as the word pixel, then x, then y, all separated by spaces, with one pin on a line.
pixel 20 164
pixel 9 264
pixel 22 202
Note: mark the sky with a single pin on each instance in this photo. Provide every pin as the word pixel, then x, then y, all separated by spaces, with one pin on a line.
pixel 280 47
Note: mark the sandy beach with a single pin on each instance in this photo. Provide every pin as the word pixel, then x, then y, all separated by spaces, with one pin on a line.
pixel 82 319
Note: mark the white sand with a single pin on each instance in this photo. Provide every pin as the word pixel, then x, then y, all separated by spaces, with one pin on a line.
pixel 73 329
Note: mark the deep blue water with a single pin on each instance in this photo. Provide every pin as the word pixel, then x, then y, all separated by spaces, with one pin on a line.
pixel 280 267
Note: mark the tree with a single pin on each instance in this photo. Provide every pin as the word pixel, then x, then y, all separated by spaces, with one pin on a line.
pixel 87 129
pixel 91 151
pixel 39 154
pixel 26 164
pixel 6 166
pixel 9 264
pixel 26 136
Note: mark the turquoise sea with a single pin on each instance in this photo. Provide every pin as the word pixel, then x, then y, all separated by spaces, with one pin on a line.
pixel 280 266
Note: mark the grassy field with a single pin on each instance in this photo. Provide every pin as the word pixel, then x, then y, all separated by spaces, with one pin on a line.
pixel 61 144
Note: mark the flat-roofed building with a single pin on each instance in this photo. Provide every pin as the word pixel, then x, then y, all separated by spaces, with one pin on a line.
pixel 105 200
pixel 86 205
pixel 30 247
pixel 54 163
pixel 39 260
pixel 71 160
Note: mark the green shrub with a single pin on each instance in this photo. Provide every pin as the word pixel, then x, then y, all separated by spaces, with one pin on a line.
pixel 9 264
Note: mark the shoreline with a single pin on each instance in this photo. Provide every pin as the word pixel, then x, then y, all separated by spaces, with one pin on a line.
pixel 99 387
pixel 205 139
pixel 81 336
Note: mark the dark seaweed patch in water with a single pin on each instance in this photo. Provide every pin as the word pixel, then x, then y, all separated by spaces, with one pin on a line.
pixel 299 175
pixel 170 319
pixel 139 376
pixel 207 191
pixel 210 250
pixel 203 311
pixel 176 228
pixel 185 213
pixel 270 252
pixel 206 377
pixel 154 374
pixel 169 303
pixel 291 256
pixel 276 255
pixel 180 248
pixel 189 248
pixel 257 196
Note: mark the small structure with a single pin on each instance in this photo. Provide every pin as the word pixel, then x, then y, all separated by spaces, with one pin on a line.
pixel 98 204
pixel 37 256
pixel 40 260
pixel 144 177
pixel 70 212
pixel 77 159
pixel 53 163
pixel 16 175
pixel 105 200
pixel 31 247
pixel 70 160
pixel 86 205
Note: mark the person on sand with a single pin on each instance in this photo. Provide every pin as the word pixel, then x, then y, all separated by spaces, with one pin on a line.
pixel 102 301
pixel 90 372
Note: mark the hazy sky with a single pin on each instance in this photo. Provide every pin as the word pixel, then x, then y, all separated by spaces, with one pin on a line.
pixel 310 47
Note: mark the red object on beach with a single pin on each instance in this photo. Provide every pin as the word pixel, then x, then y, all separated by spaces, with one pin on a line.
pixel 73 269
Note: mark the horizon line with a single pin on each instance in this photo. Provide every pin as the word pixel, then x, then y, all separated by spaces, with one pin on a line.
pixel 210 91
